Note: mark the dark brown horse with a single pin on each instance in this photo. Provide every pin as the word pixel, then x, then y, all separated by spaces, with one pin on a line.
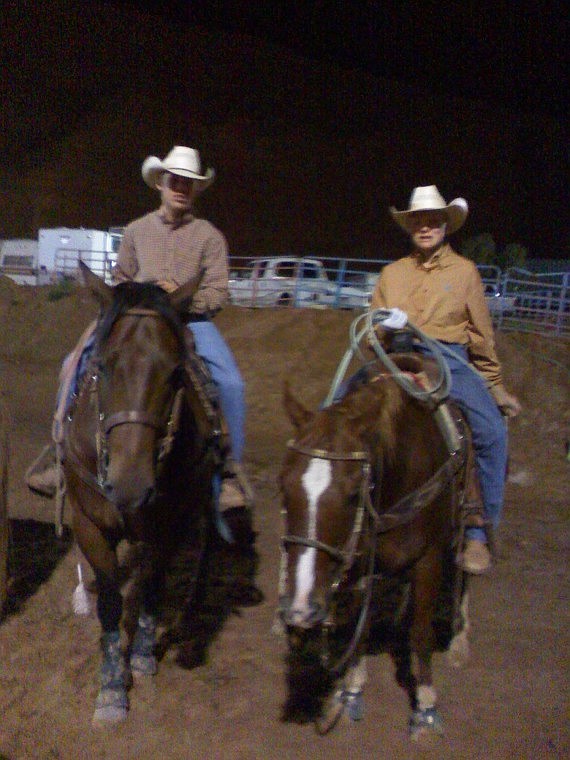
pixel 370 493
pixel 138 465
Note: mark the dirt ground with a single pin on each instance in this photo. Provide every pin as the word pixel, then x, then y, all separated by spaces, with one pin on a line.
pixel 510 701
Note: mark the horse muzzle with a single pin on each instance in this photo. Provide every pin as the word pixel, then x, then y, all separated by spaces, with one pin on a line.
pixel 129 504
pixel 304 615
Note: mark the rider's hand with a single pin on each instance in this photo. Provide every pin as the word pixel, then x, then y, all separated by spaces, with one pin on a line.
pixel 392 319
pixel 508 404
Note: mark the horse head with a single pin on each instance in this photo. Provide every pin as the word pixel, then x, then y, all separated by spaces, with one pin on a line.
pixel 138 384
pixel 324 484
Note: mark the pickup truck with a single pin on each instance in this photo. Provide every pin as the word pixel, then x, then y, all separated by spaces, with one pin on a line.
pixel 291 281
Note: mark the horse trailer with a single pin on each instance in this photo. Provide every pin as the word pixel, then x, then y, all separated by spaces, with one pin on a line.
pixel 60 249
pixel 19 261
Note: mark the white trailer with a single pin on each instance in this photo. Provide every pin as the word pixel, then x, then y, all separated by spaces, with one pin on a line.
pixel 61 248
pixel 19 260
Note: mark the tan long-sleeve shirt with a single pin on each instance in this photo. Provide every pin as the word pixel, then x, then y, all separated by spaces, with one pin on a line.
pixel 155 250
pixel 445 299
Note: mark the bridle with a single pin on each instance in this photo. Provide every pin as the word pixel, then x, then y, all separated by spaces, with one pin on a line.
pixel 106 423
pixel 344 557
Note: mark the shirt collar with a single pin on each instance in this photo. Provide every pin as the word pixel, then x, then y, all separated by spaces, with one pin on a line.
pixel 184 219
pixel 436 261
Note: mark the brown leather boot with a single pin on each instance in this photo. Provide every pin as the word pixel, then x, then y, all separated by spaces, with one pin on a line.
pixel 232 494
pixel 476 557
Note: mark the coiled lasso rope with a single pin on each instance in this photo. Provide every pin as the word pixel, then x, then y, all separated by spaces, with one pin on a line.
pixel 364 327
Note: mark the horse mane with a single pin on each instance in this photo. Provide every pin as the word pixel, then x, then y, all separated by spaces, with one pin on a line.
pixel 368 412
pixel 375 407
pixel 141 295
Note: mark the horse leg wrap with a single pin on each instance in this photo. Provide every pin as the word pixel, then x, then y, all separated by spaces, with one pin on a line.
pixel 354 702
pixel 424 721
pixel 112 702
pixel 143 660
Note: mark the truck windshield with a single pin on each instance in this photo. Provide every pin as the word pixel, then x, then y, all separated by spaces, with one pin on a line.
pixel 285 270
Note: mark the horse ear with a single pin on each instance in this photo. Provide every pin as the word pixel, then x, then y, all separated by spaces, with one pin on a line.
pixel 98 287
pixel 181 298
pixel 298 414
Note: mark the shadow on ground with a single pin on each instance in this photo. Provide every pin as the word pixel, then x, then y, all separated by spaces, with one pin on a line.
pixel 33 554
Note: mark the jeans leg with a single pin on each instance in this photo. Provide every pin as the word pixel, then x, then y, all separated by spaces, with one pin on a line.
pixel 489 439
pixel 213 349
pixel 488 430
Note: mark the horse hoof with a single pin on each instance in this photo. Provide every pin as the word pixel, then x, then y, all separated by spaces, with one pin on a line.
pixel 109 715
pixel 111 707
pixel 143 665
pixel 424 723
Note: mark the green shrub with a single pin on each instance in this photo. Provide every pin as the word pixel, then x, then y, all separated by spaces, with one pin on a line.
pixel 61 289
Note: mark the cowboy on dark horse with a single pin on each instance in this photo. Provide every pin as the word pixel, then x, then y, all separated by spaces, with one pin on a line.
pixel 169 247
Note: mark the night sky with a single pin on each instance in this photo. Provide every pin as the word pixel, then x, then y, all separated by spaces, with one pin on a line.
pixel 515 54
pixel 470 96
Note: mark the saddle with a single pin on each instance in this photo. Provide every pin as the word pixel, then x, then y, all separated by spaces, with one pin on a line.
pixel 424 373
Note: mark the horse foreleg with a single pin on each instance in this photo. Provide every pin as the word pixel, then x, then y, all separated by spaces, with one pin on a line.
pixel 111 705
pixel 355 679
pixel 143 659
pixel 425 585
pixel 347 698
pixel 458 650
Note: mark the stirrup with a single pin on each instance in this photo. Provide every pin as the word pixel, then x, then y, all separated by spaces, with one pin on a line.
pixel 46 458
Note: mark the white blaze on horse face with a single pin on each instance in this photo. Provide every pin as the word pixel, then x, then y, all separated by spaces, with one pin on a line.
pixel 316 480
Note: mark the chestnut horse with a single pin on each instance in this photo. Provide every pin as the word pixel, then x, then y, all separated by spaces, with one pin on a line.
pixel 370 496
pixel 139 463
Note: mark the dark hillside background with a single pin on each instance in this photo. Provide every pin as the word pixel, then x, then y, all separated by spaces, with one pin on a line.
pixel 309 152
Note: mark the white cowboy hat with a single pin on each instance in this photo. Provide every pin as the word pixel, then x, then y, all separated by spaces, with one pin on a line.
pixel 429 199
pixel 180 160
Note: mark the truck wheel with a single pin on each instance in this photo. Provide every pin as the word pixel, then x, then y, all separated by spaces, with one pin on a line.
pixel 284 299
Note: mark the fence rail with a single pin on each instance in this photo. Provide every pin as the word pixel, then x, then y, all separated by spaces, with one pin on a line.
pixel 518 299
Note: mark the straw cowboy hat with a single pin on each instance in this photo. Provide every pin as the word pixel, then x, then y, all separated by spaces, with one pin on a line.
pixel 180 160
pixel 429 199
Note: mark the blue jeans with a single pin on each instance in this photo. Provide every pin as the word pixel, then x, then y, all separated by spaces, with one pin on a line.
pixel 488 429
pixel 213 349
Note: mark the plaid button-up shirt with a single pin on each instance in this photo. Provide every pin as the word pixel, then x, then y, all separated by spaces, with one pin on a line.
pixel 156 250
pixel 445 299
